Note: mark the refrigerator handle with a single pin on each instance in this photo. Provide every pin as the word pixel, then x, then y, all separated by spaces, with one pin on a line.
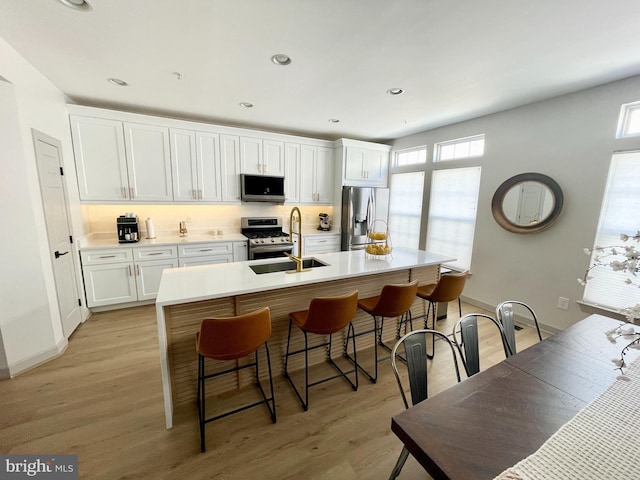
pixel 371 210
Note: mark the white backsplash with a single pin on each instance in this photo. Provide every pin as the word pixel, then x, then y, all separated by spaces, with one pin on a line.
pixel 200 218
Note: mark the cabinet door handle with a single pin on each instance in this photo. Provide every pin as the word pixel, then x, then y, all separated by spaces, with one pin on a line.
pixel 107 256
pixel 206 249
pixel 154 253
pixel 131 193
pixel 138 269
pixel 200 194
pixel 123 192
pixel 129 267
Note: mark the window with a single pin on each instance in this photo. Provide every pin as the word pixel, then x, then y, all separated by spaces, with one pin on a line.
pixel 621 202
pixel 629 122
pixel 452 214
pixel 412 156
pixel 405 208
pixel 457 149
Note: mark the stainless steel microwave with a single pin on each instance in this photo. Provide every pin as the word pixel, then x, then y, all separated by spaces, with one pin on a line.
pixel 261 188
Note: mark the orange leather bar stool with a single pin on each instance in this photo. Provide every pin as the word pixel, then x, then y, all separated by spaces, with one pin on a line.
pixel 231 338
pixel 448 288
pixel 325 316
pixel 393 301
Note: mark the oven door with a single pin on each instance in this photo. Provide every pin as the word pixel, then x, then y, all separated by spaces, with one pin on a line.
pixel 269 251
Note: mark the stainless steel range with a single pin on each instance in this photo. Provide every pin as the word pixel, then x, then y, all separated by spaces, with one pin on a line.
pixel 266 238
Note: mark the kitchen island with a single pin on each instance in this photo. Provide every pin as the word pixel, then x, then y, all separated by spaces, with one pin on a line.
pixel 188 295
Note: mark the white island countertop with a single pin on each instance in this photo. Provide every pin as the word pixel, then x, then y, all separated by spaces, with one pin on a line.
pixel 192 284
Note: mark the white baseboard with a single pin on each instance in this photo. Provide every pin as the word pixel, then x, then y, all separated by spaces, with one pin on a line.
pixel 39 358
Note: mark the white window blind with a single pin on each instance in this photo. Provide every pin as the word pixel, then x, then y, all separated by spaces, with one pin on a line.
pixel 452 214
pixel 619 214
pixel 405 209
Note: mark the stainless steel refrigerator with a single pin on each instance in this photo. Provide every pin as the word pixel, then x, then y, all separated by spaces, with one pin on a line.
pixel 361 207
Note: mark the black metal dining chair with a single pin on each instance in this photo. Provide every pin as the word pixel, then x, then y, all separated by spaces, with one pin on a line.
pixel 505 314
pixel 466 338
pixel 415 356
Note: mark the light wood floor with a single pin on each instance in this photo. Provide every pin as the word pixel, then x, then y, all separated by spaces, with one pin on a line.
pixel 102 400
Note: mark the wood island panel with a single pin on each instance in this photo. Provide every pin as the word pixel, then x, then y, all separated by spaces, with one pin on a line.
pixel 183 321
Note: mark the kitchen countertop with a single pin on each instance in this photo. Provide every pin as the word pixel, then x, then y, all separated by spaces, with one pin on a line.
pixel 111 241
pixel 192 284
pixel 107 240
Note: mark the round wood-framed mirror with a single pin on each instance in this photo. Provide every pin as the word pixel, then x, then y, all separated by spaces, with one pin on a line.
pixel 527 203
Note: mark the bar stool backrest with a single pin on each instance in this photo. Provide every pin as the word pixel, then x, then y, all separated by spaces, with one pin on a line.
pixel 396 299
pixel 327 315
pixel 449 287
pixel 228 338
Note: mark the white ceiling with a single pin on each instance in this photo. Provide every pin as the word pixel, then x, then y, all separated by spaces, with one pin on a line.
pixel 455 59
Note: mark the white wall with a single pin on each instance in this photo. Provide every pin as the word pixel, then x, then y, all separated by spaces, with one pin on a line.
pixel 569 138
pixel 30 321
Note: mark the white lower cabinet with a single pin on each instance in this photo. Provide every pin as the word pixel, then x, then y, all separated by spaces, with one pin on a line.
pixel 205 253
pixel 322 243
pixel 109 284
pixel 148 275
pixel 240 251
pixel 122 275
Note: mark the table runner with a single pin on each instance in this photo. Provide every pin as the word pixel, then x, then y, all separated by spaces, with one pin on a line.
pixel 601 441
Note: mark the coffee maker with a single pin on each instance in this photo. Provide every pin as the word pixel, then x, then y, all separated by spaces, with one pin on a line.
pixel 128 231
pixel 324 222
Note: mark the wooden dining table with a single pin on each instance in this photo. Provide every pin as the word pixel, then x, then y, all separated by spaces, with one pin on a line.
pixel 492 420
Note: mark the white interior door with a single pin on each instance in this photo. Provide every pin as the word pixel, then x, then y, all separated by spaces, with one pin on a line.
pixel 49 160
pixel 530 203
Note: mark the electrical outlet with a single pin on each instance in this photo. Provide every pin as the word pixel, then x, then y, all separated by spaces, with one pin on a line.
pixel 563 303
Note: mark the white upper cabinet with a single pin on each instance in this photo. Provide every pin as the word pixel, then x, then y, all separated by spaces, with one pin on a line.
pixel 148 162
pixel 230 167
pixel 292 172
pixel 208 167
pixel 195 166
pixel 261 157
pixel 101 163
pixel 316 174
pixel 324 175
pixel 184 166
pixel 363 163
pixel 124 157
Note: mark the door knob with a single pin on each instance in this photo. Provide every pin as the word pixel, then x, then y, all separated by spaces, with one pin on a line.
pixel 58 254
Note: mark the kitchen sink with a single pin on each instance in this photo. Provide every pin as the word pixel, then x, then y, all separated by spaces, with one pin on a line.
pixel 284 266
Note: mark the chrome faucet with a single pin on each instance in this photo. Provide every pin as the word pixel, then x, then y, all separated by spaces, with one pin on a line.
pixel 296 258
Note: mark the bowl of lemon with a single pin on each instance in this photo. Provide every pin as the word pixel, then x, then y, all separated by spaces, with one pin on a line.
pixel 378 240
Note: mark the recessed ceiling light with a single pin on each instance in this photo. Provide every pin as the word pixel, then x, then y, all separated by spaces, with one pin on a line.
pixel 118 82
pixel 246 104
pixel 395 91
pixel 334 120
pixel 281 59
pixel 81 5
